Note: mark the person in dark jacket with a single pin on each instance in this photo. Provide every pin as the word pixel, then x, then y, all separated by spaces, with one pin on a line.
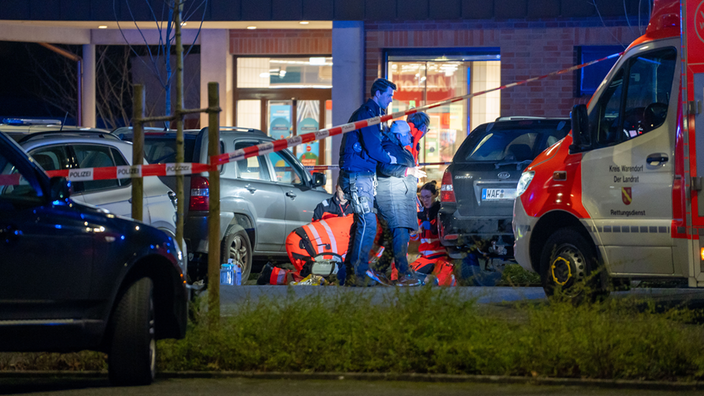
pixel 396 198
pixel 338 205
pixel 360 152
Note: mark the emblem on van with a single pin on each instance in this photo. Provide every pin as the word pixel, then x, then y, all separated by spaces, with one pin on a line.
pixel 626 195
pixel 504 175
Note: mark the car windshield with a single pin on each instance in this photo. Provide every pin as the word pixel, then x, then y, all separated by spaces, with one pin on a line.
pixel 162 149
pixel 518 143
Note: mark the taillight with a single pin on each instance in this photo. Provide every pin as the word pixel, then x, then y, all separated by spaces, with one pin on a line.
pixel 200 194
pixel 447 193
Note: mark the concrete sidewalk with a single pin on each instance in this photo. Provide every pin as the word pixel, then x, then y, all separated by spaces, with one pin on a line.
pixel 233 296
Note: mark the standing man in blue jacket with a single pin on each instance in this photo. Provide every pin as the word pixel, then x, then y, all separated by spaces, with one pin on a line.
pixel 360 153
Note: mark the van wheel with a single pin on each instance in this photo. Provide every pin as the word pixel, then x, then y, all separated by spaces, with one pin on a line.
pixel 236 246
pixel 132 354
pixel 569 267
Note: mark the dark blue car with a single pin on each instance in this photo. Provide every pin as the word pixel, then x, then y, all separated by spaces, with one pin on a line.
pixel 75 277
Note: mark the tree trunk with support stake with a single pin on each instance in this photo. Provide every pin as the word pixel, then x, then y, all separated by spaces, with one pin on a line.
pixel 214 208
pixel 138 151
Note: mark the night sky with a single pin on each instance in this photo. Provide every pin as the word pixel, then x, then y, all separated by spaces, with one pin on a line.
pixel 20 93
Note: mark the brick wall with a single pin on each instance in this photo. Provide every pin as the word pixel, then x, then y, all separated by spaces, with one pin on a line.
pixel 528 49
pixel 281 42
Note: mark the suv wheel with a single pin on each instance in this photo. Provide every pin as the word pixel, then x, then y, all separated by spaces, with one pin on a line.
pixel 236 246
pixel 132 354
pixel 569 267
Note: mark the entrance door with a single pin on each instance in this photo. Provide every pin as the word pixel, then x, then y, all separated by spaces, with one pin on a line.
pixel 286 114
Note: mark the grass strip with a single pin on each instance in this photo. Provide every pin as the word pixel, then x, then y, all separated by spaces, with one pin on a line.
pixel 436 331
pixel 428 331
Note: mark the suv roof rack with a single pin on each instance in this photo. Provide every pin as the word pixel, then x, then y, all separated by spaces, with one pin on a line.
pixel 80 133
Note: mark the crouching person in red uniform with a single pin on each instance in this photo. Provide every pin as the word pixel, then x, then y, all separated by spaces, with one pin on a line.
pixel 433 260
pixel 329 232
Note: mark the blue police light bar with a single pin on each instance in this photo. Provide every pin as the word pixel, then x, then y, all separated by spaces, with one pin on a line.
pixel 30 121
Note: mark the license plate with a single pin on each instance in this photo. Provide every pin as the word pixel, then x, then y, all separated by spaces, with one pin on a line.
pixel 498 194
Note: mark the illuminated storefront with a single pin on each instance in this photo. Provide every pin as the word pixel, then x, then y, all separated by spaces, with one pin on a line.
pixel 425 77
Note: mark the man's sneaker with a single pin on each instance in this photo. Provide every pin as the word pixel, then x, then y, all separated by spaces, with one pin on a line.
pixel 378 277
pixel 407 280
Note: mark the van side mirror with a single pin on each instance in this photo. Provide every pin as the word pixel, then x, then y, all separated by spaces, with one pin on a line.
pixel 319 179
pixel 60 188
pixel 580 128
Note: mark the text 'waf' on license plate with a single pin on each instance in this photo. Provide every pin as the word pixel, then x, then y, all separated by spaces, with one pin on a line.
pixel 496 194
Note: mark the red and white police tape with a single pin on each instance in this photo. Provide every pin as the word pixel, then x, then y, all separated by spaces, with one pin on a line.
pixel 135 171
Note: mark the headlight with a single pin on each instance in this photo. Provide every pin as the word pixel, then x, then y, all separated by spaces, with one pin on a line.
pixel 523 182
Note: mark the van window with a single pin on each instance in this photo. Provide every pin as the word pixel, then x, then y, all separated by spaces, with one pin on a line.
pixel 636 100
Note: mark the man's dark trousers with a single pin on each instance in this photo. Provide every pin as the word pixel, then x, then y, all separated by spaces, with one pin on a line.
pixel 363 229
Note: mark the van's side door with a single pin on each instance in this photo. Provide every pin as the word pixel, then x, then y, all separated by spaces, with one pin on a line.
pixel 627 176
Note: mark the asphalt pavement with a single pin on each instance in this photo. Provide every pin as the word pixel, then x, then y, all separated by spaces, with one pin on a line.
pixel 344 387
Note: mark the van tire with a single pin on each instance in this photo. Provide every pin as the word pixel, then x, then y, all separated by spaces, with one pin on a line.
pixel 236 246
pixel 569 267
pixel 132 353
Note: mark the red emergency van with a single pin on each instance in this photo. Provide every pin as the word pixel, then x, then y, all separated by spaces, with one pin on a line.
pixel 619 196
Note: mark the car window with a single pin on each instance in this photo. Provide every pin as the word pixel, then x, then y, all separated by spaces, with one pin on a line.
pixel 286 170
pixel 517 142
pixel 15 187
pixel 52 157
pixel 162 149
pixel 94 156
pixel 120 161
pixel 252 168
pixel 630 107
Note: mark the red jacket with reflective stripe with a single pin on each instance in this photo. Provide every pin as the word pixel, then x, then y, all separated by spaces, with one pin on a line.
pixel 330 235
pixel 430 245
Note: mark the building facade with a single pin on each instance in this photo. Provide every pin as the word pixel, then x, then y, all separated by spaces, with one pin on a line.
pixel 301 65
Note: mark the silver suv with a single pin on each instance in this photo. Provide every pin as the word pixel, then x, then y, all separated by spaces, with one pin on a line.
pixel 54 148
pixel 262 199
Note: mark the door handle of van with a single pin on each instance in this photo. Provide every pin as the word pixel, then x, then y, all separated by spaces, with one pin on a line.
pixel 290 194
pixel 250 188
pixel 657 159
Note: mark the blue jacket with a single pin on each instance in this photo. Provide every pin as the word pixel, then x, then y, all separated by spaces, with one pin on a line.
pixel 361 150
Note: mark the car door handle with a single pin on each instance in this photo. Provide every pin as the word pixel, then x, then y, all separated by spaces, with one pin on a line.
pixel 657 159
pixel 250 188
pixel 290 194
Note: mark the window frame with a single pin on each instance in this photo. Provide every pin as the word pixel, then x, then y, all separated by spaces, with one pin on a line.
pixel 595 116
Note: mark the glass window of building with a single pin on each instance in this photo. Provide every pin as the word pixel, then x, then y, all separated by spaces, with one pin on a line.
pixel 427 77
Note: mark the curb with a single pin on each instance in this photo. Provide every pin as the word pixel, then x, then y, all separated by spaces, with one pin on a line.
pixel 409 377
